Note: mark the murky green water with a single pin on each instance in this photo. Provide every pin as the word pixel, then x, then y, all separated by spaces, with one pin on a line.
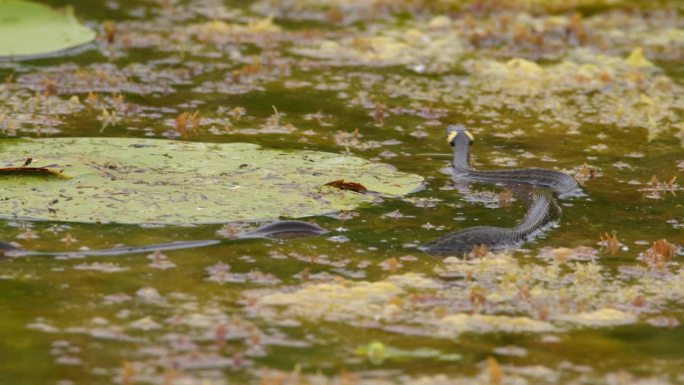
pixel 127 320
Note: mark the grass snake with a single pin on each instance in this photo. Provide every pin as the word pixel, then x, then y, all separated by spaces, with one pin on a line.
pixel 543 212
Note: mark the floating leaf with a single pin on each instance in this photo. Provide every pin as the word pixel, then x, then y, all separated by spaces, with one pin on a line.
pixel 637 59
pixel 128 180
pixel 29 30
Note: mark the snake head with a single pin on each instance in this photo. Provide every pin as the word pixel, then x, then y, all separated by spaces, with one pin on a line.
pixel 453 136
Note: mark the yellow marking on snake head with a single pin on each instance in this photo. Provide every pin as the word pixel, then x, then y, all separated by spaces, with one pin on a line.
pixel 452 135
pixel 470 135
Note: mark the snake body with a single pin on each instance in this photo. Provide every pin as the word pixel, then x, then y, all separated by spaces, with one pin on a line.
pixel 543 212
pixel 460 139
pixel 278 229
pixel 9 250
pixel 285 230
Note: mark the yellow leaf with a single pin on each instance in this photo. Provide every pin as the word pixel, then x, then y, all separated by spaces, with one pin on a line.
pixel 637 59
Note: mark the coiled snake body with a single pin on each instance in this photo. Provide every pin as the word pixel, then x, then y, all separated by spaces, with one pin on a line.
pixel 543 212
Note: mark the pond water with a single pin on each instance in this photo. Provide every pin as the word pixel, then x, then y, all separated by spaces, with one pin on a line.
pixel 591 88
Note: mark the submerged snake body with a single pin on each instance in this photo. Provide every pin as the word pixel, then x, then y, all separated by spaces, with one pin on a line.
pixel 9 250
pixel 278 229
pixel 285 230
pixel 543 212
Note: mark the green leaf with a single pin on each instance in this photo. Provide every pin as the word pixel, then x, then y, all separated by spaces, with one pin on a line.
pixel 30 30
pixel 126 180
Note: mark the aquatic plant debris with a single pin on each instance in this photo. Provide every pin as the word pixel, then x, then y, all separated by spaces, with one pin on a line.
pixel 500 295
pixel 30 30
pixel 346 185
pixel 23 170
pixel 431 47
pixel 143 180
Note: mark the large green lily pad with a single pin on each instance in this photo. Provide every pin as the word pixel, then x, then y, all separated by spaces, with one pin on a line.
pixel 31 30
pixel 127 180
